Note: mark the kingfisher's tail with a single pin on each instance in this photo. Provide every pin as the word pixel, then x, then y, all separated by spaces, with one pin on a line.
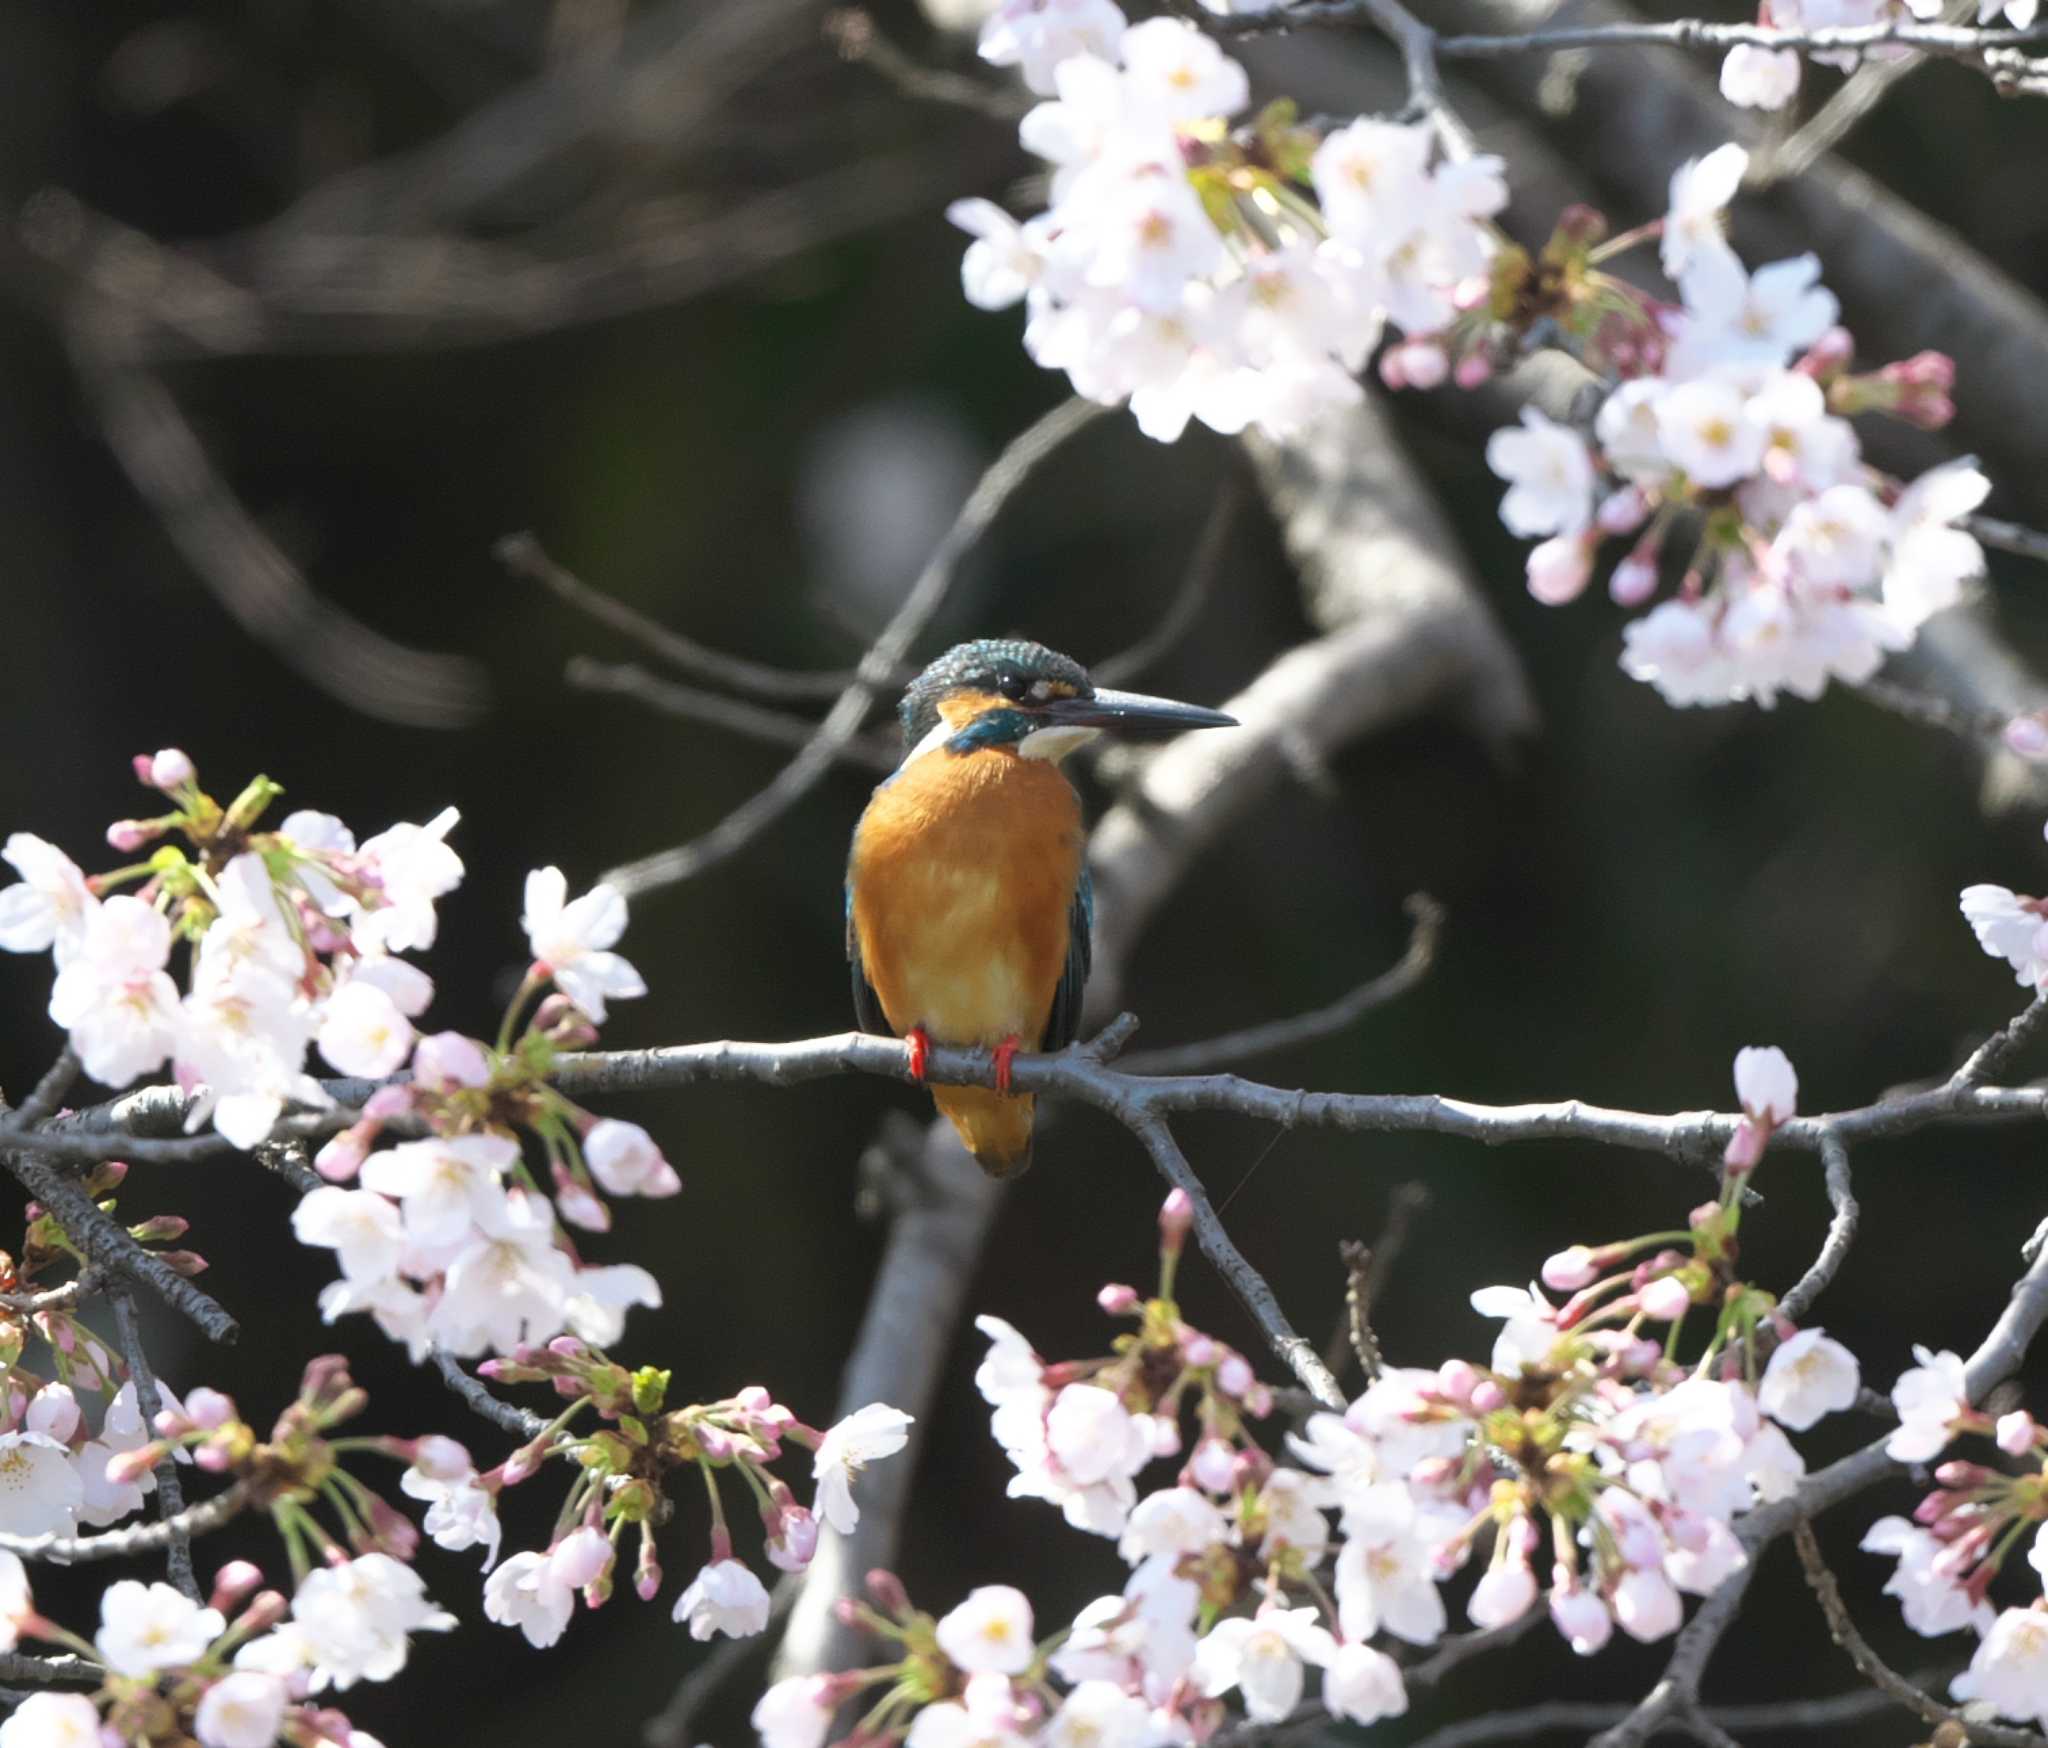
pixel 994 1127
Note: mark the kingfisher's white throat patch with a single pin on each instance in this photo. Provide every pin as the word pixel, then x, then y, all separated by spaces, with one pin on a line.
pixel 1054 743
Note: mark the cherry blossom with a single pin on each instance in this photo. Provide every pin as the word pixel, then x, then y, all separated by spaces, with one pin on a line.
pixel 1701 189
pixel 113 995
pixel 725 1597
pixel 40 1491
pixel 1808 1376
pixel 795 1712
pixel 1551 473
pixel 570 940
pixel 1760 78
pixel 242 1710
pixel 1930 1398
pixel 50 906
pixel 864 1435
pixel 2009 1673
pixel 990 1631
pixel 2011 928
pixel 1036 36
pixel 352 1620
pixel 624 1159
pixel 52 1720
pixel 1930 1597
pixel 1264 1657
pixel 1363 1685
pixel 147 1627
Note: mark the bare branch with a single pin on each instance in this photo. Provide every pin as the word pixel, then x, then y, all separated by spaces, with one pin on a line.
pixel 58 1079
pixel 2008 536
pixel 755 721
pixel 19 1666
pixel 106 1243
pixel 1275 1035
pixel 524 556
pixel 170 1491
pixel 75 1291
pixel 1992 1057
pixel 141 1538
pixel 476 1393
pixel 1873 1668
pixel 1005 475
pixel 853 32
pixel 1834 1250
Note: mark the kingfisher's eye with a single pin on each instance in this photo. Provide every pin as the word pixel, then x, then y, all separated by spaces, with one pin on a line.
pixel 1015 688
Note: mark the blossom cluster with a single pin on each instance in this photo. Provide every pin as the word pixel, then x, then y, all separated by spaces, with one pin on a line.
pixel 1236 273
pixel 1762 78
pixel 622 1475
pixel 1958 1538
pixel 1582 1445
pixel 1726 457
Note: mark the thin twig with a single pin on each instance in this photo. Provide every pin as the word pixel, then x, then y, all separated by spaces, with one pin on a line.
pixel 80 1287
pixel 141 1538
pixel 2008 536
pixel 1997 1053
pixel 1008 472
pixel 49 1092
pixel 477 1394
pixel 852 31
pixel 1275 1035
pixel 20 1666
pixel 736 715
pixel 1185 608
pixel 524 556
pixel 170 1491
pixel 1872 1667
pixel 1841 1232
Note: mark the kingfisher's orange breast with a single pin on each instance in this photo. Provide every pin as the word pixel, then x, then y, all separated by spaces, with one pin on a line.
pixel 963 870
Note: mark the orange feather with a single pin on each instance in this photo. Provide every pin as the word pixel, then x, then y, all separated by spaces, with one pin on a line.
pixel 963 872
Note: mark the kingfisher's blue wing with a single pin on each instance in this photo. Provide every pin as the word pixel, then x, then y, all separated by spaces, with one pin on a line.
pixel 1064 1024
pixel 867 1005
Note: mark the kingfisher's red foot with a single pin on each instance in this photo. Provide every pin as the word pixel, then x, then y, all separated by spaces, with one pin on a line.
pixel 920 1043
pixel 1006 1054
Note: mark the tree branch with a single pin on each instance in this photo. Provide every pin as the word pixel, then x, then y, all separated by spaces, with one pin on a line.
pixel 142 1538
pixel 1841 1234
pixel 735 715
pixel 170 1491
pixel 477 1394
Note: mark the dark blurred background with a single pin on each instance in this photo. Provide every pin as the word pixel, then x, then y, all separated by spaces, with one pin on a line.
pixel 763 460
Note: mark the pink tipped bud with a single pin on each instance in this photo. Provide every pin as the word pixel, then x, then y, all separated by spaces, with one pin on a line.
pixel 579 1204
pixel 1258 1401
pixel 1162 1434
pixel 142 764
pixel 1828 356
pixel 343 1155
pixel 1176 1217
pixel 1665 1299
pixel 160 1229
pixel 210 1409
pixel 1936 370
pixel 1622 512
pixel 886 1592
pixel 234 1581
pixel 265 1610
pixel 1212 1465
pixel 1745 1146
pixel 1559 568
pixel 126 1468
pixel 1569 1270
pixel 647 1571
pixel 1929 411
pixel 846 1611
pixel 443 1061
pixel 1634 580
pixel 1234 1375
pixel 215 1459
pixel 1487 1396
pixel 167 770
pixel 579 1558
pixel 1117 1299
pixel 1393 369
pixel 792 1550
pixel 1456 1380
pixel 1960 1474
pixel 184 1262
pixel 1473 369
pixel 2017 1433
pixel 2027 737
pixel 1424 364
pixel 1197 1349
pixel 441 1458
pixel 130 835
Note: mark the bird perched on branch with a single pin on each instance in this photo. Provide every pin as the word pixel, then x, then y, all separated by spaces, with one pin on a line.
pixel 967 903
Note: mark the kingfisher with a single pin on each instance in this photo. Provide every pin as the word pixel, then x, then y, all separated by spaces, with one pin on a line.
pixel 968 910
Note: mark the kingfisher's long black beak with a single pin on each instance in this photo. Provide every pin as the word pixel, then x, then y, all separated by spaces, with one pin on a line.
pixel 1130 711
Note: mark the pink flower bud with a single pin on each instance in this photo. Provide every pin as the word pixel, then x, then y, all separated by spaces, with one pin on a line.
pixel 1117 1300
pixel 234 1581
pixel 215 1459
pixel 1456 1380
pixel 647 1571
pixel 1211 1466
pixel 1829 356
pixel 1923 370
pixel 343 1155
pixel 444 1061
pixel 1424 364
pixel 210 1409
pixel 1473 369
pixel 1393 369
pixel 1234 1375
pixel 579 1204
pixel 1634 581
pixel 142 764
pixel 167 770
pixel 1258 1401
pixel 1622 512
pixel 126 1468
pixel 1487 1396
pixel 440 1458
pixel 1162 1433
pixel 1745 1146
pixel 2017 1432
pixel 1569 1270
pixel 793 1548
pixel 1960 1474
pixel 885 1590
pixel 1665 1299
pixel 1197 1349
pixel 129 835
pixel 579 1558
pixel 1176 1217
pixel 2026 737
pixel 1559 568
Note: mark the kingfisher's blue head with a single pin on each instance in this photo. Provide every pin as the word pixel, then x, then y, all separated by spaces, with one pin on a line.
pixel 1006 692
